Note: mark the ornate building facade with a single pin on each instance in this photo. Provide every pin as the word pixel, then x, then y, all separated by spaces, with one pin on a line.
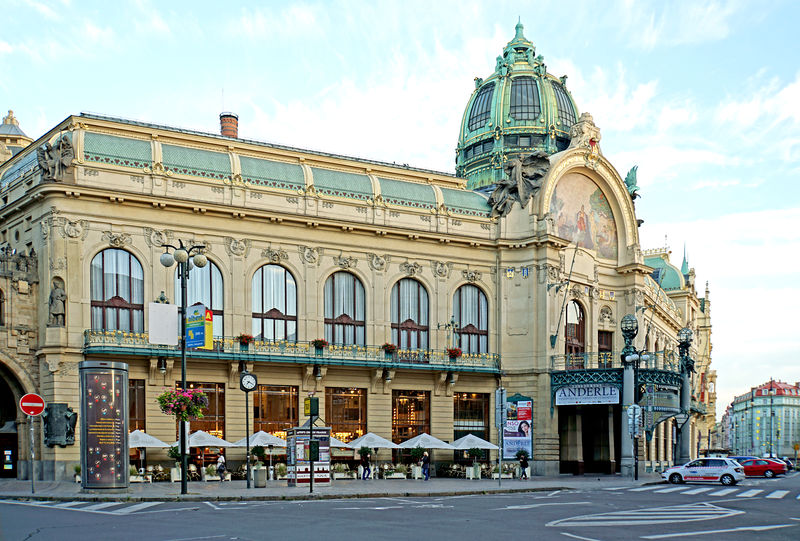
pixel 526 260
pixel 765 421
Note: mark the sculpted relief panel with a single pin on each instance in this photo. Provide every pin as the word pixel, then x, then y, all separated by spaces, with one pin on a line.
pixel 583 215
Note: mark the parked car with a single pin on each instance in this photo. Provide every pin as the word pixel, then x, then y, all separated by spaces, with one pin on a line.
pixel 724 470
pixel 740 458
pixel 763 467
pixel 789 462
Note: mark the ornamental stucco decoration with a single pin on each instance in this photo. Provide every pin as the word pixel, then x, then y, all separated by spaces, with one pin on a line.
pixel 308 255
pixel 471 275
pixel 157 238
pixel 275 256
pixel 56 158
pixel 237 247
pixel 75 229
pixel 441 269
pixel 345 262
pixel 411 269
pixel 117 240
pixel 376 262
pixel 524 179
pixel 585 134
pixel 606 315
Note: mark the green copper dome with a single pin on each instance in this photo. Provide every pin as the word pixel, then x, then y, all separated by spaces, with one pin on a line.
pixel 517 109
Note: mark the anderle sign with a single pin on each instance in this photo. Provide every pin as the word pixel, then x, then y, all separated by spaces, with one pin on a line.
pixel 591 393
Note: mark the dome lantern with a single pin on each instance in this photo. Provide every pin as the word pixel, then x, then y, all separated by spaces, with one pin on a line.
pixel 517 109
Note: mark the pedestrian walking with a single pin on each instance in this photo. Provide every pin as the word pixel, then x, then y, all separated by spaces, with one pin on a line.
pixel 221 466
pixel 523 464
pixel 366 466
pixel 426 466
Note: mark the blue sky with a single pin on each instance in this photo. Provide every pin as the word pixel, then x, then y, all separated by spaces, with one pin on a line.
pixel 703 96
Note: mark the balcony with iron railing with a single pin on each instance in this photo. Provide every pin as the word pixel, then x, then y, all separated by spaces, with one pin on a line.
pixel 284 351
pixel 604 360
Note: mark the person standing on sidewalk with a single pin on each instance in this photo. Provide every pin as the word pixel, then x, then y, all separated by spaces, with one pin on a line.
pixel 523 464
pixel 221 466
pixel 366 467
pixel 426 466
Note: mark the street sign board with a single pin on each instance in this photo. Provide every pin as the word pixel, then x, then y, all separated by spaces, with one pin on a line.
pixel 31 404
pixel 195 326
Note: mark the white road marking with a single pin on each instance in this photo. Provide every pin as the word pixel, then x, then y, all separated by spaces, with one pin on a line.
pixel 740 529
pixel 98 506
pixel 697 490
pixel 373 508
pixel 615 488
pixel 670 489
pixel 656 515
pixel 778 494
pixel 579 537
pixel 64 505
pixel 749 493
pixel 642 489
pixel 533 505
pixel 134 508
pixel 724 492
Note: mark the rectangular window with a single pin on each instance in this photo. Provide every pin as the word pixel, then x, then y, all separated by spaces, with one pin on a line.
pixel 346 412
pixel 136 405
pixel 471 415
pixel 275 408
pixel 411 414
pixel 213 420
pixel 605 341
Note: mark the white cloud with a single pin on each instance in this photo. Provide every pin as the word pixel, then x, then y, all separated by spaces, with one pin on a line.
pixel 6 48
pixel 715 184
pixel 769 104
pixel 96 34
pixel 153 22
pixel 264 23
pixel 43 9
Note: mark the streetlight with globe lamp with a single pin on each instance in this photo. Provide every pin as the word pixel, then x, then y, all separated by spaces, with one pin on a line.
pixel 685 336
pixel 186 259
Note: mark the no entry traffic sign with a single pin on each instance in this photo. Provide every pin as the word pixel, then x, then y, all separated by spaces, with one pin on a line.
pixel 31 404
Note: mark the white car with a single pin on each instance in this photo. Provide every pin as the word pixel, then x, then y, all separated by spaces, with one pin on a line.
pixel 725 470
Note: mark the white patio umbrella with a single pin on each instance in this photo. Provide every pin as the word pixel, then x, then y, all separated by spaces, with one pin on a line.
pixel 142 440
pixel 264 439
pixel 339 443
pixel 425 441
pixel 471 441
pixel 203 439
pixel 372 441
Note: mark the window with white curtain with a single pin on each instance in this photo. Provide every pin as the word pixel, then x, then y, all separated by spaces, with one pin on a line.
pixel 471 312
pixel 344 309
pixel 409 314
pixel 117 291
pixel 274 304
pixel 205 287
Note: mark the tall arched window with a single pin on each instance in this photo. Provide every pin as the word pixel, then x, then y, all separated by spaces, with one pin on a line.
pixel 205 286
pixel 575 335
pixel 274 304
pixel 409 314
pixel 471 312
pixel 117 289
pixel 344 309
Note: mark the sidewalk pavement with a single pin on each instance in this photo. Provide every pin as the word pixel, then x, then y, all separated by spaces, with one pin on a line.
pixel 277 490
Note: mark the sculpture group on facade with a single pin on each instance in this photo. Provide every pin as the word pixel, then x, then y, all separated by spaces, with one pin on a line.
pixel 523 180
pixel 54 159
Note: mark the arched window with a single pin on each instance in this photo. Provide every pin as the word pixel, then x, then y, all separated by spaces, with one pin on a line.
pixel 524 99
pixel 117 290
pixel 409 314
pixel 471 312
pixel 575 335
pixel 205 286
pixel 566 113
pixel 274 304
pixel 2 308
pixel 481 108
pixel 344 309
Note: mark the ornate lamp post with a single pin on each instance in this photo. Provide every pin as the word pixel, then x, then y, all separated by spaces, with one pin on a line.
pixel 771 415
pixel 687 368
pixel 630 359
pixel 186 258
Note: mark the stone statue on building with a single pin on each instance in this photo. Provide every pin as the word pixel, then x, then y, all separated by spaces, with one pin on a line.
pixel 59 424
pixel 54 159
pixel 58 298
pixel 524 178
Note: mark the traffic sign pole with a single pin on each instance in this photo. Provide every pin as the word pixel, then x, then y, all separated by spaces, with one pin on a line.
pixel 30 420
pixel 32 405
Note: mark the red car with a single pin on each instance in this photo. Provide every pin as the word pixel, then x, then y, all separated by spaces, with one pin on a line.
pixel 758 467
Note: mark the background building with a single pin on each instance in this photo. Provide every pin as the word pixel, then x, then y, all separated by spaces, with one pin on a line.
pixel 529 277
pixel 766 420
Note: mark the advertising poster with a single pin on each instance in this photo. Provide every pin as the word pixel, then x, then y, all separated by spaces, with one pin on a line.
pixel 517 432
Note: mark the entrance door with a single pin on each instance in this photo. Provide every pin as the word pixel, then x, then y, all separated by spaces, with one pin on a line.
pixel 8 430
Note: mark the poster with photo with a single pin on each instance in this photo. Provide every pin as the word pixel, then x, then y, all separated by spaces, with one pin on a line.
pixel 517 431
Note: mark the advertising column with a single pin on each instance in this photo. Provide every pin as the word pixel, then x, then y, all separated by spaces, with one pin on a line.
pixel 517 432
pixel 104 430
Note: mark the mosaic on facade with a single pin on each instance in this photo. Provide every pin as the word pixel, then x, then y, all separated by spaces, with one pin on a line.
pixel 582 214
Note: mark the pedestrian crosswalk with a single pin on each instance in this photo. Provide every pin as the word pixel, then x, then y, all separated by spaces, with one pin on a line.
pixel 104 508
pixel 710 491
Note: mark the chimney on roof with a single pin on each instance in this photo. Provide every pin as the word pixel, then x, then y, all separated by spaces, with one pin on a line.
pixel 229 125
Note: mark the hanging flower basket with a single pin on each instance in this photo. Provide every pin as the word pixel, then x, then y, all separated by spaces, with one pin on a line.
pixel 245 339
pixel 454 353
pixel 319 343
pixel 183 404
pixel 389 348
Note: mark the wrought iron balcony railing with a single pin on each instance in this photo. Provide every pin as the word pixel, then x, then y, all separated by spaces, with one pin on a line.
pixel 658 360
pixel 120 342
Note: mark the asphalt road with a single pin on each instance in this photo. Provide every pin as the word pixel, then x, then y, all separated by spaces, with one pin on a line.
pixel 754 509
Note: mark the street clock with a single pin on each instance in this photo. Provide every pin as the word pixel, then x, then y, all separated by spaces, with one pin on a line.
pixel 247 382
